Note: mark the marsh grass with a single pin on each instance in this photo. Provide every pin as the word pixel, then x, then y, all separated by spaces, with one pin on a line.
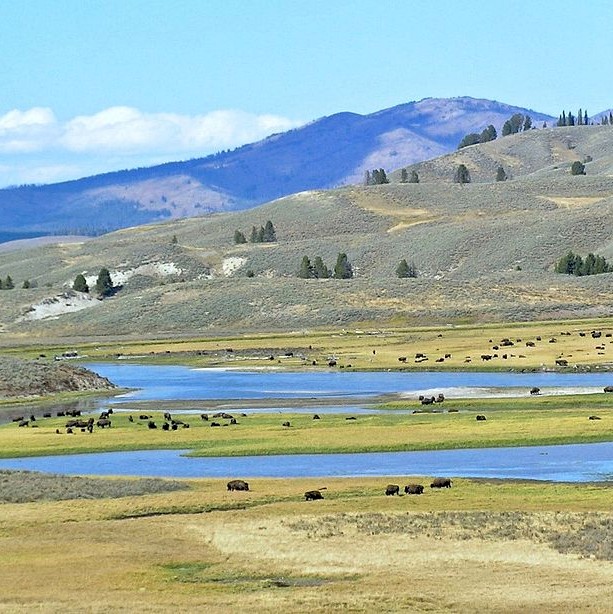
pixel 510 422
pixel 28 486
pixel 588 534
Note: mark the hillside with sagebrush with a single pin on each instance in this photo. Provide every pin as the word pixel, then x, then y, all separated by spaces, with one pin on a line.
pixel 483 251
pixel 30 378
pixel 326 153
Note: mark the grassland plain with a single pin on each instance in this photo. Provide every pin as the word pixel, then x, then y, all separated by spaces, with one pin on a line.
pixel 481 546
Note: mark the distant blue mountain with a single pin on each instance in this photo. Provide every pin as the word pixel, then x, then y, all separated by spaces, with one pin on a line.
pixel 325 153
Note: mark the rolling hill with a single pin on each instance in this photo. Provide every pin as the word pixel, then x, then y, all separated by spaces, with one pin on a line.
pixel 329 152
pixel 484 251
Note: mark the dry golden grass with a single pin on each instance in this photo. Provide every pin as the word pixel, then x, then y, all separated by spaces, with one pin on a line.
pixel 463 549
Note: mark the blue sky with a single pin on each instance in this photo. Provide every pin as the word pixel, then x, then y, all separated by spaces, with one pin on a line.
pixel 96 85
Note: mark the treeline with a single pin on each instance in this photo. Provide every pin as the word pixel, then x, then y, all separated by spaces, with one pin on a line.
pixel 319 270
pixel 263 234
pixel 573 264
pixel 375 177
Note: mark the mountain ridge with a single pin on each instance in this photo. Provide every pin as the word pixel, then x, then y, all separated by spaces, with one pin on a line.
pixel 328 152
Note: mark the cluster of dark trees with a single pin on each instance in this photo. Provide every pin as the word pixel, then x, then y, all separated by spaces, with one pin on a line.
pixel 104 283
pixel 406 178
pixel 488 134
pixel 577 168
pixel 318 269
pixel 517 123
pixel 462 175
pixel 570 120
pixel 375 177
pixel 607 120
pixel 404 269
pixel 7 283
pixel 263 234
pixel 573 264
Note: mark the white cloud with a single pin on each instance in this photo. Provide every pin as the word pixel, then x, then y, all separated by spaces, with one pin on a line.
pixel 36 147
pixel 125 129
pixel 27 131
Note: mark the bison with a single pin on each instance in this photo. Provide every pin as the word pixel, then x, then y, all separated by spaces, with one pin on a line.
pixel 441 483
pixel 392 489
pixel 561 362
pixel 311 495
pixel 481 418
pixel 594 418
pixel 237 485
pixel 535 390
pixel 608 388
pixel 414 489
pixel 103 423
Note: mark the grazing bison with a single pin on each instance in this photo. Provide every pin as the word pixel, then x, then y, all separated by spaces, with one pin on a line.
pixel 608 388
pixel 414 489
pixel 311 495
pixel 392 489
pixel 486 357
pixel 103 423
pixel 47 415
pixel 237 485
pixel 316 417
pixel 144 417
pixel 561 362
pixel 594 418
pixel 441 483
pixel 481 418
pixel 286 424
pixel 402 359
pixel 165 426
pixel 215 424
pixel 151 424
pixel 204 416
pixel 535 390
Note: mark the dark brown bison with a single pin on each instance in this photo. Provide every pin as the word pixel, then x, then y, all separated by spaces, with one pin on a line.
pixel 311 495
pixel 561 362
pixel 535 390
pixel 237 485
pixel 316 417
pixel 594 418
pixel 481 418
pixel 392 489
pixel 286 424
pixel 103 423
pixel 151 424
pixel 441 483
pixel 414 489
pixel 608 388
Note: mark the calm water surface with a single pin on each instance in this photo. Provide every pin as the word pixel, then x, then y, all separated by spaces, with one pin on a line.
pixel 159 383
pixel 567 463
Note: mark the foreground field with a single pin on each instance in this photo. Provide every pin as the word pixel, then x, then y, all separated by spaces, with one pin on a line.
pixel 480 546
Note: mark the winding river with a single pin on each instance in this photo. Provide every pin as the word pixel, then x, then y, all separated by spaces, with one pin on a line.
pixel 573 463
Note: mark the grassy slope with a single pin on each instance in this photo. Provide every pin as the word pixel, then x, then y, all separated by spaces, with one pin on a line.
pixel 466 242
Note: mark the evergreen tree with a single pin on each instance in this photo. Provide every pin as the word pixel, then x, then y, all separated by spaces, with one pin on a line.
pixel 260 238
pixel 26 284
pixel 580 118
pixel 367 178
pixel 104 283
pixel 489 134
pixel 577 168
pixel 8 283
pixel 404 176
pixel 269 234
pixel 470 139
pixel 585 118
pixel 378 177
pixel 501 174
pixel 320 269
pixel 404 270
pixel 527 123
pixel 342 269
pixel 306 269
pixel 462 175
pixel 174 240
pixel 570 119
pixel 239 237
pixel 254 235
pixel 414 178
pixel 80 285
pixel 1 285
